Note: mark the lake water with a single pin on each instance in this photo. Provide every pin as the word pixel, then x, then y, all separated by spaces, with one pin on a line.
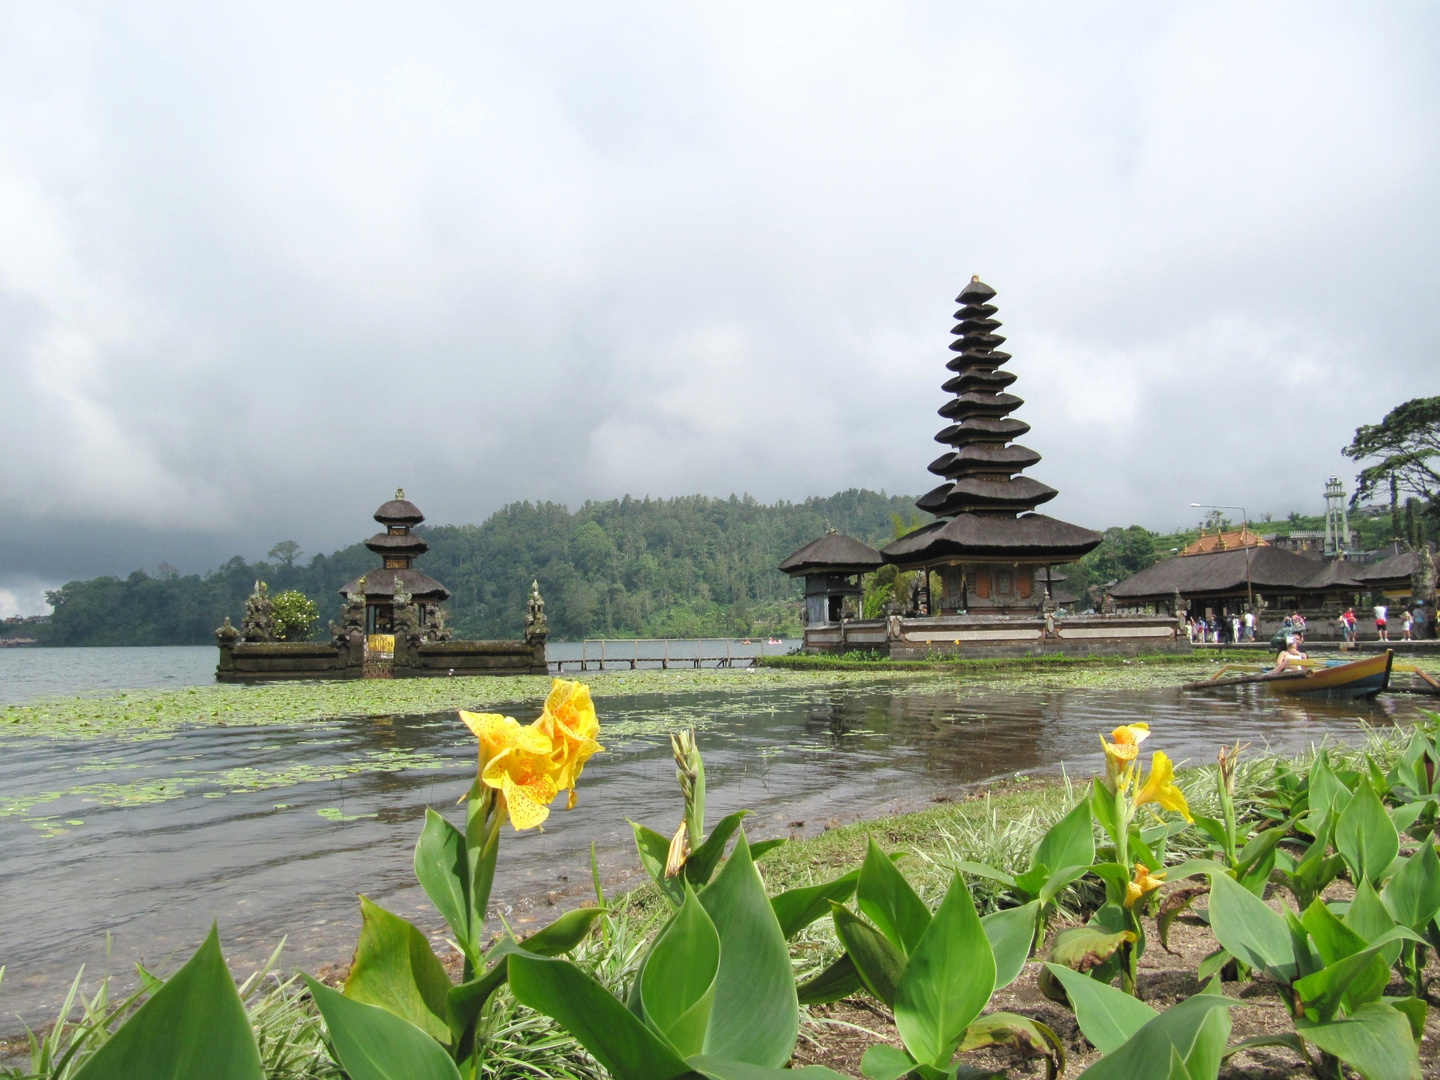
pixel 273 830
pixel 27 673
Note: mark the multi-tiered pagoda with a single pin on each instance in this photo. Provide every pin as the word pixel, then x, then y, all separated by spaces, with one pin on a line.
pixel 990 547
pixel 398 548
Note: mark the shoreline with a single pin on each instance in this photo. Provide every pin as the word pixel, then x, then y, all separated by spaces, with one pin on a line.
pixel 152 713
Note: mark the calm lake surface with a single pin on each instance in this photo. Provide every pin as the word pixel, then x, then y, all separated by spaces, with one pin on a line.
pixel 27 673
pixel 273 830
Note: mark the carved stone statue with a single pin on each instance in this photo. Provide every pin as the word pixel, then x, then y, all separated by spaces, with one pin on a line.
pixel 407 616
pixel 536 628
pixel 226 634
pixel 352 618
pixel 436 630
pixel 259 621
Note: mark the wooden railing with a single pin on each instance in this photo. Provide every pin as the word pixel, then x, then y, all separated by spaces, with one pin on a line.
pixel 664 653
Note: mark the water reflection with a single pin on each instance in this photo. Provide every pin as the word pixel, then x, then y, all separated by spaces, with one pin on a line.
pixel 274 830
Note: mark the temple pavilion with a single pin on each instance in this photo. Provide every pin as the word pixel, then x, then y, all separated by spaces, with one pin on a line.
pixel 398 547
pixel 993 553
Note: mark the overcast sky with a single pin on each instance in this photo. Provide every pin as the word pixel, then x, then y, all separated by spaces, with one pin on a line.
pixel 261 263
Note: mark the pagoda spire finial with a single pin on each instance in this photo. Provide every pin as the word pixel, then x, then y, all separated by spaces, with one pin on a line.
pixel 399 494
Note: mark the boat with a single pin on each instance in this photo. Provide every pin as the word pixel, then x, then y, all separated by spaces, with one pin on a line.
pixel 1331 678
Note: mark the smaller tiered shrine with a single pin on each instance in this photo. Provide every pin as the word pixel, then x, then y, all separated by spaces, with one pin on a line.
pixel 398 547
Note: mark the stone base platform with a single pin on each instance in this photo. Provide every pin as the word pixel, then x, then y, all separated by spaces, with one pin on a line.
pixel 1000 636
pixel 268 661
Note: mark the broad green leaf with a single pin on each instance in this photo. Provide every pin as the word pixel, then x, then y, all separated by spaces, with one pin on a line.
pixel 1215 830
pixel 1354 979
pixel 480 854
pixel 615 1036
pixel 838 980
pixel 877 960
pixel 1029 1037
pixel 1328 796
pixel 1011 933
pixel 1415 1010
pixel 395 968
pixel 1375 1041
pixel 678 984
pixel 372 1043
pixel 1057 881
pixel 1368 917
pixel 1149 1051
pixel 947 981
pixel 464 1002
pixel 1107 1016
pixel 193 1026
pixel 756 1015
pixel 1259 846
pixel 1332 938
pixel 759 849
pixel 889 902
pixel 986 871
pixel 1102 805
pixel 1249 930
pixel 654 849
pixel 1070 841
pixel 700 866
pixel 721 1069
pixel 442 867
pixel 1081 948
pixel 1412 896
pixel 796 909
pixel 1207 1053
pixel 1365 835
pixel 564 933
pixel 885 1062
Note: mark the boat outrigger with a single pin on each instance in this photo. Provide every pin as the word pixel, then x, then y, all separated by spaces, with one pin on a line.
pixel 1332 678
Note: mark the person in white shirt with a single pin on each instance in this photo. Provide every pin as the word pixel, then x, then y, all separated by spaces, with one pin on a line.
pixel 1381 613
pixel 1249 626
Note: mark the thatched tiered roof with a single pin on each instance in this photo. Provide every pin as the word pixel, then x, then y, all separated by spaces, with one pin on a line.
pixel 399 547
pixel 833 553
pixel 983 490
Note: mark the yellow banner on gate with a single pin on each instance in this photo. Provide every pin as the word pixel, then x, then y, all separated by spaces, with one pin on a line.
pixel 380 644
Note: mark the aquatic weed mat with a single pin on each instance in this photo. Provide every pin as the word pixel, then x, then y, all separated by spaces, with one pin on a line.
pixel 140 714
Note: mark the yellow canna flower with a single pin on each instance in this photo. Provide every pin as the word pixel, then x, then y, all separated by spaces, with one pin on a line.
pixel 1121 754
pixel 532 763
pixel 515 760
pixel 1159 787
pixel 1145 882
pixel 570 722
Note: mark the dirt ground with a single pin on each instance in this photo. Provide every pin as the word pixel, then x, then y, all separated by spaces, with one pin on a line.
pixel 830 1037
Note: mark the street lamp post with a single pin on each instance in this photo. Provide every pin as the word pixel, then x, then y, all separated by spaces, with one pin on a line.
pixel 1244 527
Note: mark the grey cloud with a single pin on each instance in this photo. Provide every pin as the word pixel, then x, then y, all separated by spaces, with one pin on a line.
pixel 261 264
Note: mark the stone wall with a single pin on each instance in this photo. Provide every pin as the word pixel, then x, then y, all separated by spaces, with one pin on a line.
pixel 263 661
pixel 1000 635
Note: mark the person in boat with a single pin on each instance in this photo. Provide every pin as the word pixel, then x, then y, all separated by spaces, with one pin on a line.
pixel 1291 653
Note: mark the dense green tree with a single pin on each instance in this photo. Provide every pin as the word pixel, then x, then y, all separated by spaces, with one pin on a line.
pixel 691 566
pixel 1403 450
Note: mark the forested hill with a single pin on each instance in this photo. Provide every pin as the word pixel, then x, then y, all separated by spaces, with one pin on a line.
pixel 653 567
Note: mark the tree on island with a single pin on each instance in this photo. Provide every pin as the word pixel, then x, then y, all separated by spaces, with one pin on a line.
pixel 1405 450
pixel 285 553
pixel 295 616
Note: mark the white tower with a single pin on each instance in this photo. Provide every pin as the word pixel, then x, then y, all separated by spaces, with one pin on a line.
pixel 1337 518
